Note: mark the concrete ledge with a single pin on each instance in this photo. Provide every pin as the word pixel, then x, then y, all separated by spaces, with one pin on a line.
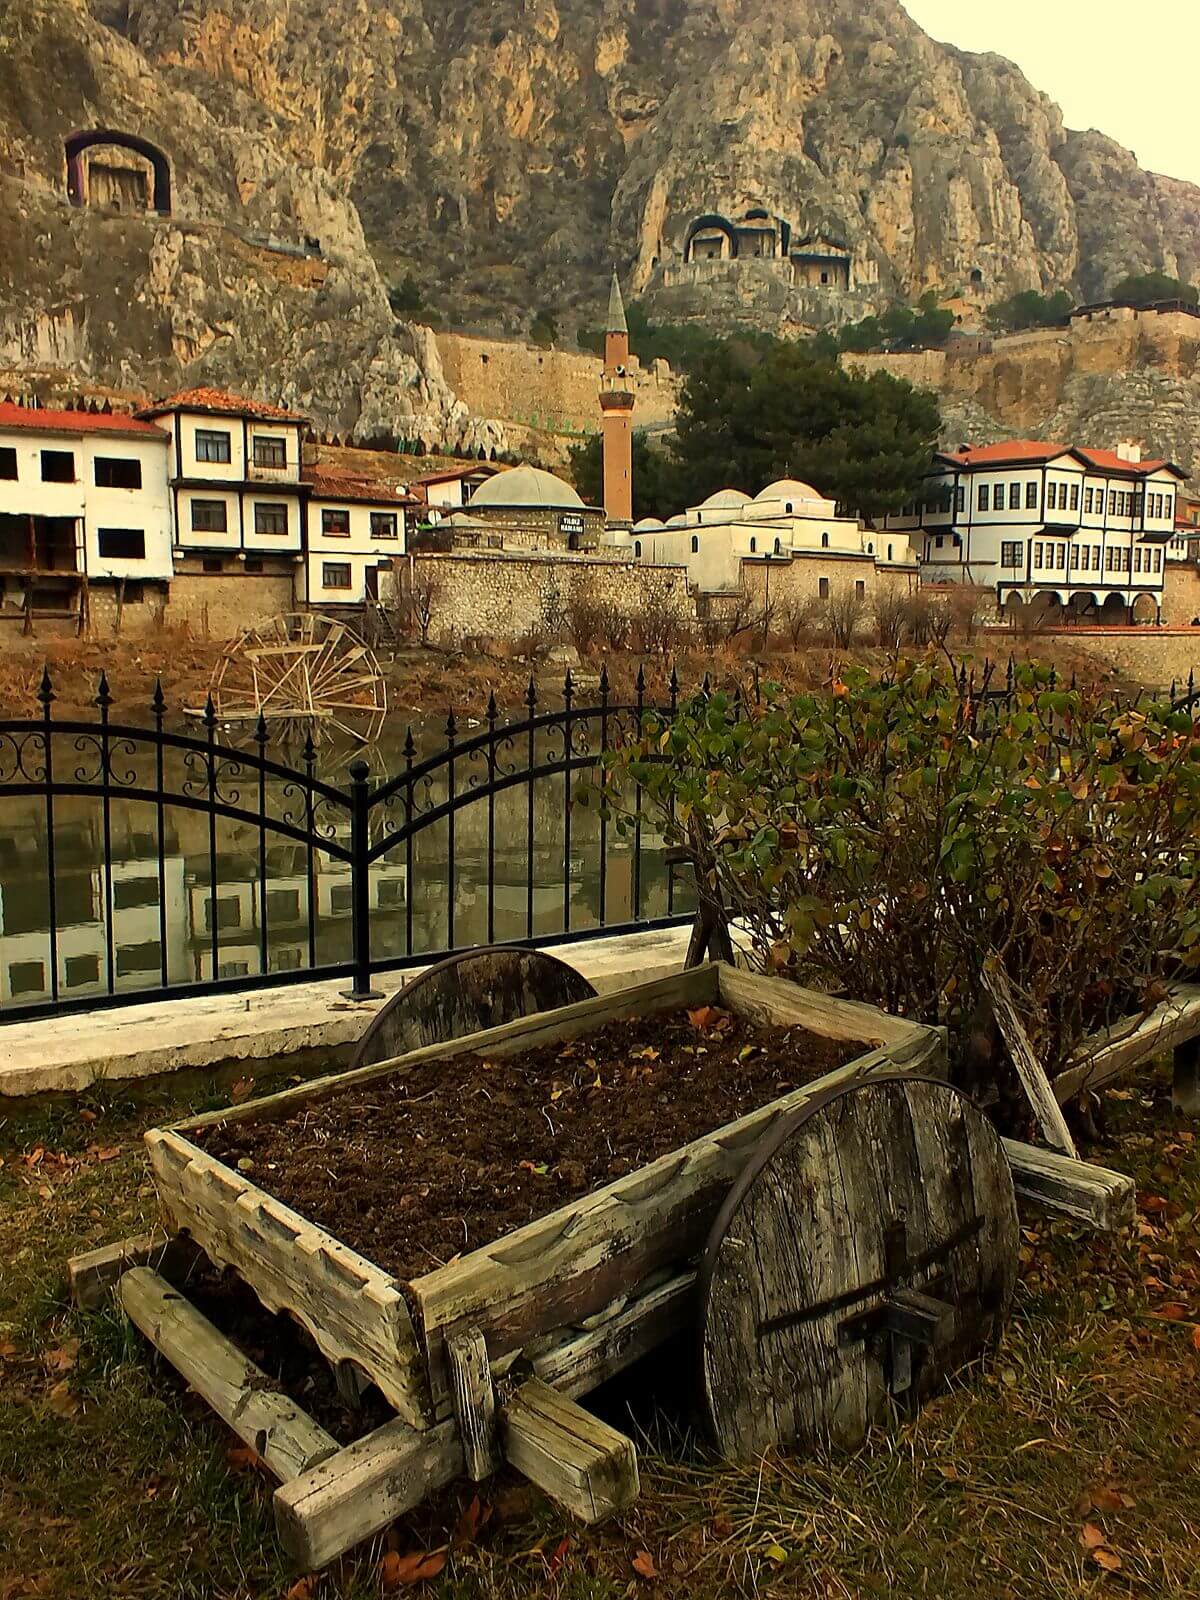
pixel 55 1055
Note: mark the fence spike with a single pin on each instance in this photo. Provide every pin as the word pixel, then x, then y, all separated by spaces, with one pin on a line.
pixel 603 681
pixel 640 682
pixel 1191 682
pixel 103 694
pixel 45 692
pixel 260 730
pixel 210 713
pixel 674 685
pixel 531 694
pixel 568 688
pixel 158 700
pixel 491 706
pixel 1174 696
pixel 410 748
pixel 310 750
pixel 451 726
pixel 705 688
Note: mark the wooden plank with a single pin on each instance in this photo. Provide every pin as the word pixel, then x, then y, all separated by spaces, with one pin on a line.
pixel 774 1000
pixel 1185 1078
pixel 355 1494
pixel 694 988
pixel 575 1458
pixel 1034 1081
pixel 474 1401
pixel 1068 1187
pixel 241 1394
pixel 586 1359
pixel 571 1264
pixel 353 1310
pixel 94 1274
pixel 1131 1042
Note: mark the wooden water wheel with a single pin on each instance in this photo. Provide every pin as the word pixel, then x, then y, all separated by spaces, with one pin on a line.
pixel 305 673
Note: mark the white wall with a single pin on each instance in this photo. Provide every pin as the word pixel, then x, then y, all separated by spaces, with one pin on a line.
pixel 360 549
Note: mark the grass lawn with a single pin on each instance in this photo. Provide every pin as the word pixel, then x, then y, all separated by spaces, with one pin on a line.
pixel 1069 1465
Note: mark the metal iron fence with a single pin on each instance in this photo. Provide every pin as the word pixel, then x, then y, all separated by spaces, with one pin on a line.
pixel 494 777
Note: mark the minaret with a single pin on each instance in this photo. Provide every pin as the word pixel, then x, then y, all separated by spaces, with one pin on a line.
pixel 616 407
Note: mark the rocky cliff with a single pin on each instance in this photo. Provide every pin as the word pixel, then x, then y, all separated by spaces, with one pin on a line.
pixel 504 155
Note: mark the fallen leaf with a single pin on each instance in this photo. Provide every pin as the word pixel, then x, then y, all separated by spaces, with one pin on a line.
pixel 242 1090
pixel 397 1571
pixel 302 1589
pixel 776 1553
pixel 1106 1498
pixel 643 1565
pixel 474 1517
pixel 538 1168
pixel 240 1458
pixel 1172 1311
pixel 1151 1203
pixel 722 1526
pixel 61 1400
pixel 7 1349
pixel 1090 1536
pixel 109 1152
pixel 62 1359
pixel 87 1116
pixel 558 1555
pixel 1108 1559
pixel 1196 1337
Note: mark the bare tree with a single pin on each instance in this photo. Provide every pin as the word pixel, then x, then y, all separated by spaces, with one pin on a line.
pixel 891 614
pixel 797 617
pixel 843 613
pixel 411 601
pixel 659 627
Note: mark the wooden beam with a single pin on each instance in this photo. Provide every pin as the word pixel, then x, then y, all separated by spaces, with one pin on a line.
pixel 92 1275
pixel 1029 1069
pixel 355 1494
pixel 579 1461
pixel 274 1427
pixel 474 1401
pixel 1129 1043
pixel 1070 1188
pixel 584 1360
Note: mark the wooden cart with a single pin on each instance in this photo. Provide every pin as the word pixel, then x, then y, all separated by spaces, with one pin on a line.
pixel 482 1358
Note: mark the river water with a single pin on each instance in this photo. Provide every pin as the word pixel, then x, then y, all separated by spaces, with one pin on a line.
pixel 170 924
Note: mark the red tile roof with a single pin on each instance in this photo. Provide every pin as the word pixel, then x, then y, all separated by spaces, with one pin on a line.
pixel 1110 461
pixel 340 486
pixel 999 455
pixel 220 403
pixel 40 419
pixel 452 473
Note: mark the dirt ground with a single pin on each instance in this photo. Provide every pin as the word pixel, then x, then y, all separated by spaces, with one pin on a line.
pixel 453 1154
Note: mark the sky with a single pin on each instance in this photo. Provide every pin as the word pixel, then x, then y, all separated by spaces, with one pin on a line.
pixel 1127 69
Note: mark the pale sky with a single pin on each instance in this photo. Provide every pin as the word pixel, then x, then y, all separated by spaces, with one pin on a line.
pixel 1124 67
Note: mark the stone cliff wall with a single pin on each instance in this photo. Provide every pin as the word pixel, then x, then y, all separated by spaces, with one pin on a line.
pixel 551 389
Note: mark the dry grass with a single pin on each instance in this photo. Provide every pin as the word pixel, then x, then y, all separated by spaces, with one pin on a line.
pixel 1079 1445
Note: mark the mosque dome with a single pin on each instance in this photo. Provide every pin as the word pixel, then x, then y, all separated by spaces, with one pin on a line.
pixel 528 488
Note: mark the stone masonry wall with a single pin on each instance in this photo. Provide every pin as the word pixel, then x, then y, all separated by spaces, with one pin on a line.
pixel 1181 593
pixel 777 582
pixel 504 597
pixel 555 389
pixel 1151 656
pixel 220 605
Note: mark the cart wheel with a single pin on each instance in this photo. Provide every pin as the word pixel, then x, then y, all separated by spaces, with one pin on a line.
pixel 868 1249
pixel 478 989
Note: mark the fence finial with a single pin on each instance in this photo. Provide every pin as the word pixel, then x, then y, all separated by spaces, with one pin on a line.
pixel 103 693
pixel 158 700
pixel 531 694
pixel 604 680
pixel 45 692
pixel 410 747
pixel 492 712
pixel 260 730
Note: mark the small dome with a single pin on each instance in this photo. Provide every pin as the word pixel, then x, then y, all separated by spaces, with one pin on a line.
pixel 648 525
pixel 725 500
pixel 527 487
pixel 788 489
pixel 677 521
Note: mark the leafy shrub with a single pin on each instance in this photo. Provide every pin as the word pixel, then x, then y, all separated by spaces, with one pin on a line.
pixel 884 835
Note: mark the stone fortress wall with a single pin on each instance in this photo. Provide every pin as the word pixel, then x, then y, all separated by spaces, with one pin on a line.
pixel 552 389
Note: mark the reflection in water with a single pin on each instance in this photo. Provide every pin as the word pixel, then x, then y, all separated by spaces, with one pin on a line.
pixel 235 901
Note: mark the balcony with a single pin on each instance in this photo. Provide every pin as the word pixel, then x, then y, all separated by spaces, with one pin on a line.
pixel 263 472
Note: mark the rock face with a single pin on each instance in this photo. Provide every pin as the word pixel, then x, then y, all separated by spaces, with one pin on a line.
pixel 505 155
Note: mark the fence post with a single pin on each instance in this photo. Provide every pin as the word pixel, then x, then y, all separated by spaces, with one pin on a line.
pixel 360 883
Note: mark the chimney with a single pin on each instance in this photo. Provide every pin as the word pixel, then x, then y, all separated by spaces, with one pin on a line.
pixel 963 448
pixel 1129 450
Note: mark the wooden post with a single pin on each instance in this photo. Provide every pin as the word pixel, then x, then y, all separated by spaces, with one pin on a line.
pixel 474 1401
pixel 1067 1187
pixel 1185 1085
pixel 1029 1069
pixel 120 606
pixel 581 1462
pixel 274 1427
pixel 91 1275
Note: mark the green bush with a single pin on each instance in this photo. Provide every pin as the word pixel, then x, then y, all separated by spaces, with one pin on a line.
pixel 1029 309
pixel 883 836
pixel 1144 288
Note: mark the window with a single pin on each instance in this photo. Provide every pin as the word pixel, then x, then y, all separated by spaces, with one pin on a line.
pixel 860 589
pixel 998 502
pixel 779 547
pixel 1112 502
pixel 753 546
pixel 1010 553
pixel 58 466
pixel 341 899
pixel 81 969
pixel 269 451
pixel 26 977
pixel 335 520
pixel 228 913
pixel 1031 495
pixel 1110 560
pixel 129 892
pixel 889 554
pixel 209 516
pixel 383 524
pixel 1014 496
pixel 1037 553
pixel 283 905
pixel 495 541
pixel 637 548
pixel 824 541
pixel 1137 559
pixel 1158 561
pixel 1125 560
pixel 114 472
pixel 212 444
pixel 133 958
pixel 695 545
pixel 939 541
pixel 983 497
pixel 121 544
pixel 823 588
pixel 1062 555
pixel 336 574
pixel 1087 501
pixel 212 564
pixel 1074 497
pixel 960 498
pixel 271 517
pixel 254 564
pixel 8 461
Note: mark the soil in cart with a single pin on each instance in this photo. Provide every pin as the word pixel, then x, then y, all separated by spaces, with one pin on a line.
pixel 416 1168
